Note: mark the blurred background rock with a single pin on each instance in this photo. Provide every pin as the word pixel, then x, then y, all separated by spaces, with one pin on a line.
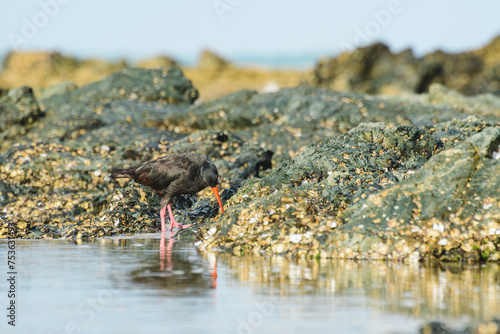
pixel 373 69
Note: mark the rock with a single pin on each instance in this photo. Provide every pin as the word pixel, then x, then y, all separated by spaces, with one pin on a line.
pixel 453 200
pixel 119 122
pixel 485 327
pixel 127 107
pixel 209 61
pixel 236 160
pixel 383 200
pixel 307 171
pixel 8 192
pixel 215 78
pixel 407 141
pixel 376 70
pixel 18 106
pixel 483 104
pixel 169 86
pixel 284 122
pixel 306 194
pixel 456 131
pixel 487 143
pixel 18 111
pixel 287 121
pixel 44 69
pixel 35 68
pixel 157 62
pixel 436 327
pixel 62 192
pixel 62 88
pixel 66 184
pixel 368 70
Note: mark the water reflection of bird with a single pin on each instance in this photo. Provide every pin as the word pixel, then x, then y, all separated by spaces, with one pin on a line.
pixel 180 271
pixel 212 259
pixel 183 173
pixel 168 250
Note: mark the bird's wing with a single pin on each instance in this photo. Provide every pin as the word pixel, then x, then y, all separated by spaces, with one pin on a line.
pixel 159 173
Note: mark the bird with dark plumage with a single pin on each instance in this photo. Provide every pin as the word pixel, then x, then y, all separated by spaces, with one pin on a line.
pixel 176 174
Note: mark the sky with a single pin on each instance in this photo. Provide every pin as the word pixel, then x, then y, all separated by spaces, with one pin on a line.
pixel 244 29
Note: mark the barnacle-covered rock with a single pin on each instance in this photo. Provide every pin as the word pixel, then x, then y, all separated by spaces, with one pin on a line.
pixel 287 121
pixel 61 190
pixel 354 196
pixel 306 195
pixel 236 159
pixel 338 159
pixel 450 208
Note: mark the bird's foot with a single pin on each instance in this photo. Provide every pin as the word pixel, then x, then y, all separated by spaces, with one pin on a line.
pixel 173 223
pixel 181 226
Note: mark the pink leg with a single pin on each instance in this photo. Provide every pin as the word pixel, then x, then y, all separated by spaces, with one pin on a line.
pixel 173 223
pixel 162 217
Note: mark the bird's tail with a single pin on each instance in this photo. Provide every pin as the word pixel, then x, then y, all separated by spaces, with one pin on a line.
pixel 116 173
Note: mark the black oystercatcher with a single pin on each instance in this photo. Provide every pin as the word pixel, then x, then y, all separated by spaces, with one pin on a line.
pixel 176 174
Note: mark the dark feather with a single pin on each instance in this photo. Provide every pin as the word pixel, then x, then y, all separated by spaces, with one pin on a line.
pixel 168 176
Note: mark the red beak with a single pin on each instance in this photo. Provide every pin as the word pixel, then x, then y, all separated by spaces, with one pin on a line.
pixel 216 193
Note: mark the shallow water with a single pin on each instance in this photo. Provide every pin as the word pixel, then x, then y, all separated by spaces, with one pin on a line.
pixel 128 286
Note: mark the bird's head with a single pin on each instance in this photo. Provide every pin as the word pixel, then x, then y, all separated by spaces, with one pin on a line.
pixel 210 175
